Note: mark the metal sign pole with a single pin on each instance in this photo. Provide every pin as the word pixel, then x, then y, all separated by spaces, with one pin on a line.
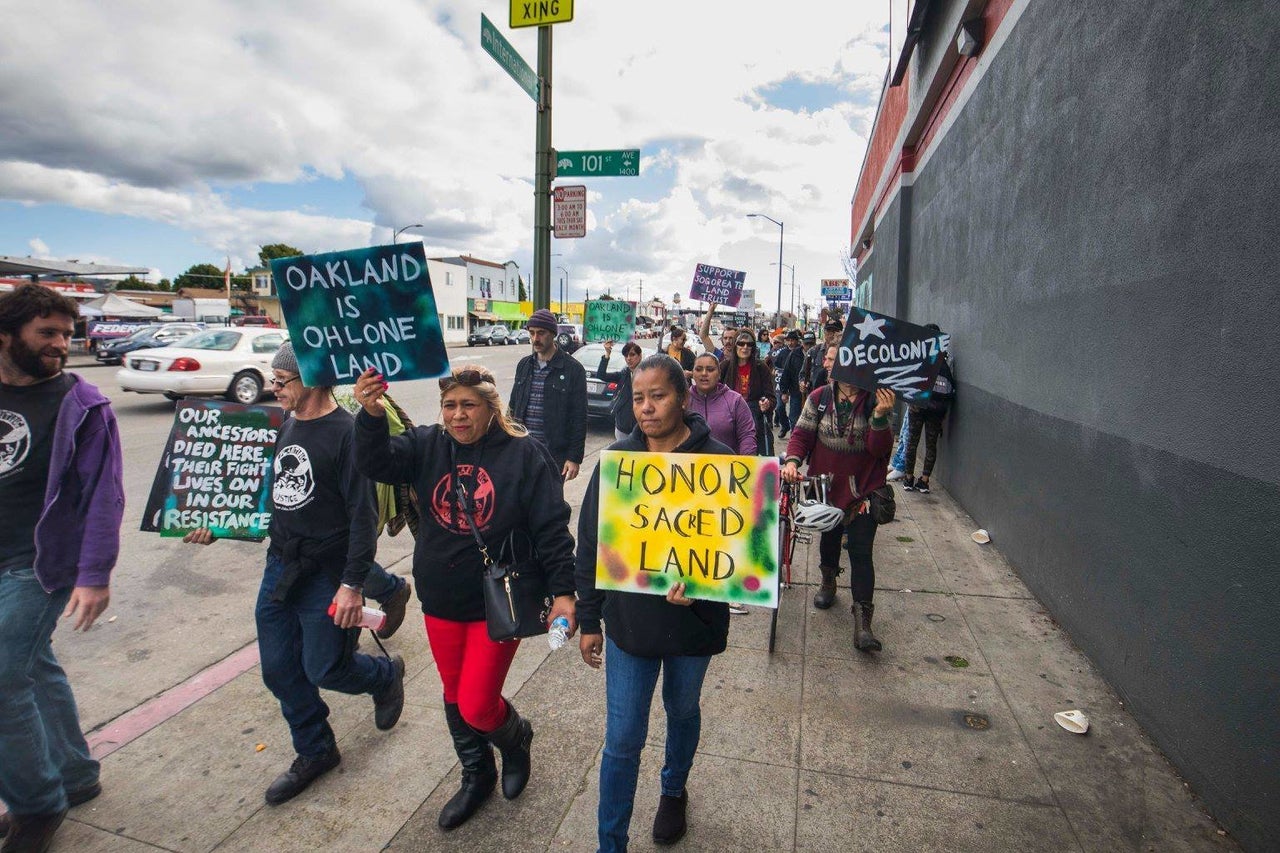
pixel 544 166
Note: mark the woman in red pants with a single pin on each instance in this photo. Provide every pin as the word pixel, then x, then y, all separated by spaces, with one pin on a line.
pixel 510 487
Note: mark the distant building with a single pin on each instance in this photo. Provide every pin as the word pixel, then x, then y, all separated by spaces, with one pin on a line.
pixel 493 292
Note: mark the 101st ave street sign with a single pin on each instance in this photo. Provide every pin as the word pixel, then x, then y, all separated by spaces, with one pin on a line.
pixel 598 164
pixel 496 45
pixel 537 13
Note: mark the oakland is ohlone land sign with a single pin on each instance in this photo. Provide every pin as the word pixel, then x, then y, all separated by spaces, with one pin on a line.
pixel 372 307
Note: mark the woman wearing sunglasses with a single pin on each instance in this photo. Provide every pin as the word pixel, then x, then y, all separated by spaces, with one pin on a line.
pixel 744 372
pixel 510 486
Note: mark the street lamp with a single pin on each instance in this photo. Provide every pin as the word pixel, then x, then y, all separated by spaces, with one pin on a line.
pixel 777 321
pixel 395 235
pixel 793 286
pixel 562 289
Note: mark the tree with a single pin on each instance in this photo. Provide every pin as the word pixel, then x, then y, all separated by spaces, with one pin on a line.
pixel 135 283
pixel 199 275
pixel 267 254
pixel 524 294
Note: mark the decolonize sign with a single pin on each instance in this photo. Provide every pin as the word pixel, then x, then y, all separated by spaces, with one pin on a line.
pixel 371 307
pixel 883 352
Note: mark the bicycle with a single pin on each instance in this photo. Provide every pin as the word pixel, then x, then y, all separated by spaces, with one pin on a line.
pixel 789 496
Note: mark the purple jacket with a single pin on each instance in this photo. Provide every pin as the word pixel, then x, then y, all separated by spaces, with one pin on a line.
pixel 728 415
pixel 78 534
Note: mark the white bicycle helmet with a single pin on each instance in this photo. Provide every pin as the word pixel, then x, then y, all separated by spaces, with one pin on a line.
pixel 817 516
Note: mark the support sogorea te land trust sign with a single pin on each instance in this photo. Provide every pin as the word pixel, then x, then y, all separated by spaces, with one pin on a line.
pixel 717 284
pixel 883 352
pixel 609 320
pixel 707 521
pixel 349 311
pixel 216 471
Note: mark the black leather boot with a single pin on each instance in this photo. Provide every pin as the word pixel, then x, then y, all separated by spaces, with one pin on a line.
pixel 479 772
pixel 863 639
pixel 826 594
pixel 512 739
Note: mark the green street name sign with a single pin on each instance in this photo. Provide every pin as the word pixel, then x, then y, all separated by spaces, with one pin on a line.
pixel 598 164
pixel 496 45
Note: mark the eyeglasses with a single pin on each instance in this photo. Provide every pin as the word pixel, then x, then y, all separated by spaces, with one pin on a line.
pixel 469 376
pixel 745 343
pixel 277 384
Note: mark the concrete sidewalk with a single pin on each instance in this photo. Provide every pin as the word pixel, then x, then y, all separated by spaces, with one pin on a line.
pixel 944 741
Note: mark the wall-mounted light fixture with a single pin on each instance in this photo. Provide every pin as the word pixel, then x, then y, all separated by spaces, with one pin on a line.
pixel 969 38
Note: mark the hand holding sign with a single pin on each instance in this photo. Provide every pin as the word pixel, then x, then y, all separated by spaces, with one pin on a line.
pixel 878 351
pixel 369 390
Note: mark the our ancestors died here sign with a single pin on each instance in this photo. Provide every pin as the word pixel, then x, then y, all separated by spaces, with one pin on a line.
pixel 609 320
pixel 216 471
pixel 883 352
pixel 349 311
pixel 709 522
pixel 717 284
pixel 569 218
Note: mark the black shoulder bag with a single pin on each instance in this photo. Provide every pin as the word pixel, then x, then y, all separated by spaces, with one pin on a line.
pixel 516 599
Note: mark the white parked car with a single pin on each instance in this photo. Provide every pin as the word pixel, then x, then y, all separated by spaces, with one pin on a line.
pixel 232 363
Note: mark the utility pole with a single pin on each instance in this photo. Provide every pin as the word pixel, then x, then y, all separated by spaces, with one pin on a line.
pixel 544 171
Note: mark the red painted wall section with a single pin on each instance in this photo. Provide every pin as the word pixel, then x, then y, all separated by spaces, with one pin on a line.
pixel 881 151
pixel 889 120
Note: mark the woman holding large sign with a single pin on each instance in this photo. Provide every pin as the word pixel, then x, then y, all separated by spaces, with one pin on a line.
pixel 844 432
pixel 477 469
pixel 648 633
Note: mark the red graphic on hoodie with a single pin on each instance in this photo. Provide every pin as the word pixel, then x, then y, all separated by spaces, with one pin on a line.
pixel 479 490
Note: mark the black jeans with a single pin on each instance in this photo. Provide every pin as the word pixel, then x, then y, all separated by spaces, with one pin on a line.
pixel 930 423
pixel 862 535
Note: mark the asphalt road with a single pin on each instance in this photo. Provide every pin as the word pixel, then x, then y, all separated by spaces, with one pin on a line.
pixel 176 609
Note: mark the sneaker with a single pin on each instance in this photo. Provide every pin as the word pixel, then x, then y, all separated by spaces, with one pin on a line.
pixel 300 774
pixel 394 607
pixel 388 704
pixel 909 484
pixel 669 824
pixel 895 474
pixel 738 609
pixel 922 485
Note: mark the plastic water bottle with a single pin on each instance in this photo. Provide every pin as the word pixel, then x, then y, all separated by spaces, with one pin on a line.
pixel 370 617
pixel 559 633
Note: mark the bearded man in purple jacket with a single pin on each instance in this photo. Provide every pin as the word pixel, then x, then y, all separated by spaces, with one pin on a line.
pixel 61 499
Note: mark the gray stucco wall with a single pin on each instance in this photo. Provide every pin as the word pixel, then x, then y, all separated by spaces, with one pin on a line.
pixel 1099 233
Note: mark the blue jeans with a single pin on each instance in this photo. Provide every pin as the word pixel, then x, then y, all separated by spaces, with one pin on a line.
pixel 43 753
pixel 781 409
pixel 899 460
pixel 379 584
pixel 302 650
pixel 795 402
pixel 629 684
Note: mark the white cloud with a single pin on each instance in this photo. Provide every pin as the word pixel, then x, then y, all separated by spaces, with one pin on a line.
pixel 39 248
pixel 183 101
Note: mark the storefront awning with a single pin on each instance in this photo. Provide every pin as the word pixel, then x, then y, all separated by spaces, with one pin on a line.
pixel 486 316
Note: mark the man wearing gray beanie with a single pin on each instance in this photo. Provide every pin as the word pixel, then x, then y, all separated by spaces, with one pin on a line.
pixel 549 395
pixel 320 563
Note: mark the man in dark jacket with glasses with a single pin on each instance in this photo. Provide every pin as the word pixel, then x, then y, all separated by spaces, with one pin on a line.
pixel 549 395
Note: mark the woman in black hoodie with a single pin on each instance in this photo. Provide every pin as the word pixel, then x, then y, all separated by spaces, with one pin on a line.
pixel 648 634
pixel 511 488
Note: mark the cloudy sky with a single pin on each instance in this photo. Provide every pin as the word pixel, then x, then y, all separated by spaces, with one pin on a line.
pixel 164 135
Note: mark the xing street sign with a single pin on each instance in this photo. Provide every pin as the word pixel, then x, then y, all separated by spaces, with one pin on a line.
pixel 598 164
pixel 537 13
pixel 496 45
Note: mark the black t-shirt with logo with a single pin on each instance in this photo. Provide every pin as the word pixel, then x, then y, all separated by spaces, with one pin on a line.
pixel 317 492
pixel 28 414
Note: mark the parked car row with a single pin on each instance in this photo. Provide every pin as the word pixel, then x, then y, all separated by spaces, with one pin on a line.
pixel 495 335
pixel 233 362
pixel 148 337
